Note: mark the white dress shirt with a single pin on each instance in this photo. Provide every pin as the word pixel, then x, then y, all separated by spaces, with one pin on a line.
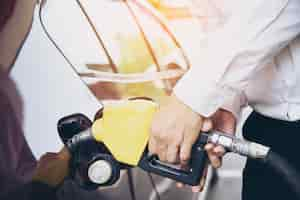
pixel 254 59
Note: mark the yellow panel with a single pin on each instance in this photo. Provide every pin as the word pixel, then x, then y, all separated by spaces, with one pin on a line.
pixel 125 128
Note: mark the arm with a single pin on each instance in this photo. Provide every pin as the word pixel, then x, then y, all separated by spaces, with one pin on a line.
pixel 236 53
pixel 50 172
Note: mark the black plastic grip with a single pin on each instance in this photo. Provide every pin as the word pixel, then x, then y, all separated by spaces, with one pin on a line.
pixel 190 176
pixel 71 125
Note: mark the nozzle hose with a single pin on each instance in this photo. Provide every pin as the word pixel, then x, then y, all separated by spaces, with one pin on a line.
pixel 283 168
pixel 260 152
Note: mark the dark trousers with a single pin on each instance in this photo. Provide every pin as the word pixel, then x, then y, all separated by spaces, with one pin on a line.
pixel 259 181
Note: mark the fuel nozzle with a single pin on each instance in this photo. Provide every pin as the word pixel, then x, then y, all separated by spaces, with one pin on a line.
pixel 239 146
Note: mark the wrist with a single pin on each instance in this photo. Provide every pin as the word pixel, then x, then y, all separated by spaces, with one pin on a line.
pixel 185 108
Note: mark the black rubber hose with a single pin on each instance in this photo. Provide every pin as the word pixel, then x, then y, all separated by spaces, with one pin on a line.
pixel 285 170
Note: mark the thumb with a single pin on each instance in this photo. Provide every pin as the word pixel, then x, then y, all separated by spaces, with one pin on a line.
pixel 64 153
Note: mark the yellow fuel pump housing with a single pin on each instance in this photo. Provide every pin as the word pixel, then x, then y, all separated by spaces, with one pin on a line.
pixel 124 128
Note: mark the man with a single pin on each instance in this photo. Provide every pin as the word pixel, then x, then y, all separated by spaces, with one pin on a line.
pixel 254 59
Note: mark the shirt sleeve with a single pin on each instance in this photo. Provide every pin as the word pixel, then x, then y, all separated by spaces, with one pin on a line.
pixel 233 54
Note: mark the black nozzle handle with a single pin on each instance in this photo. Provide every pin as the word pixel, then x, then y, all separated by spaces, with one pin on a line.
pixel 71 125
pixel 190 176
pixel 74 130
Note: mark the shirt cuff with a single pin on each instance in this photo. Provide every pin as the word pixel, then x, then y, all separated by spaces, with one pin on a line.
pixel 206 98
pixel 235 103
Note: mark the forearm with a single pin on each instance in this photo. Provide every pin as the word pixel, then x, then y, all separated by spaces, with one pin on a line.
pixel 236 53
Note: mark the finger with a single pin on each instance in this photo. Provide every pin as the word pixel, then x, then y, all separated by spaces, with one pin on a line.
pixel 158 149
pixel 186 147
pixel 152 146
pixel 162 152
pixel 47 156
pixel 185 151
pixel 172 153
pixel 207 125
pixel 219 151
pixel 64 153
pixel 200 187
pixel 209 147
pixel 179 185
pixel 50 154
pixel 190 135
pixel 214 159
pixel 203 180
pixel 196 189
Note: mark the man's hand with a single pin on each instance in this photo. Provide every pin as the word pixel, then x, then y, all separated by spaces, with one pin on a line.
pixel 225 122
pixel 175 129
pixel 52 168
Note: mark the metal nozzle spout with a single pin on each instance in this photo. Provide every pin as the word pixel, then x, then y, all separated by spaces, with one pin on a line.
pixel 239 146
